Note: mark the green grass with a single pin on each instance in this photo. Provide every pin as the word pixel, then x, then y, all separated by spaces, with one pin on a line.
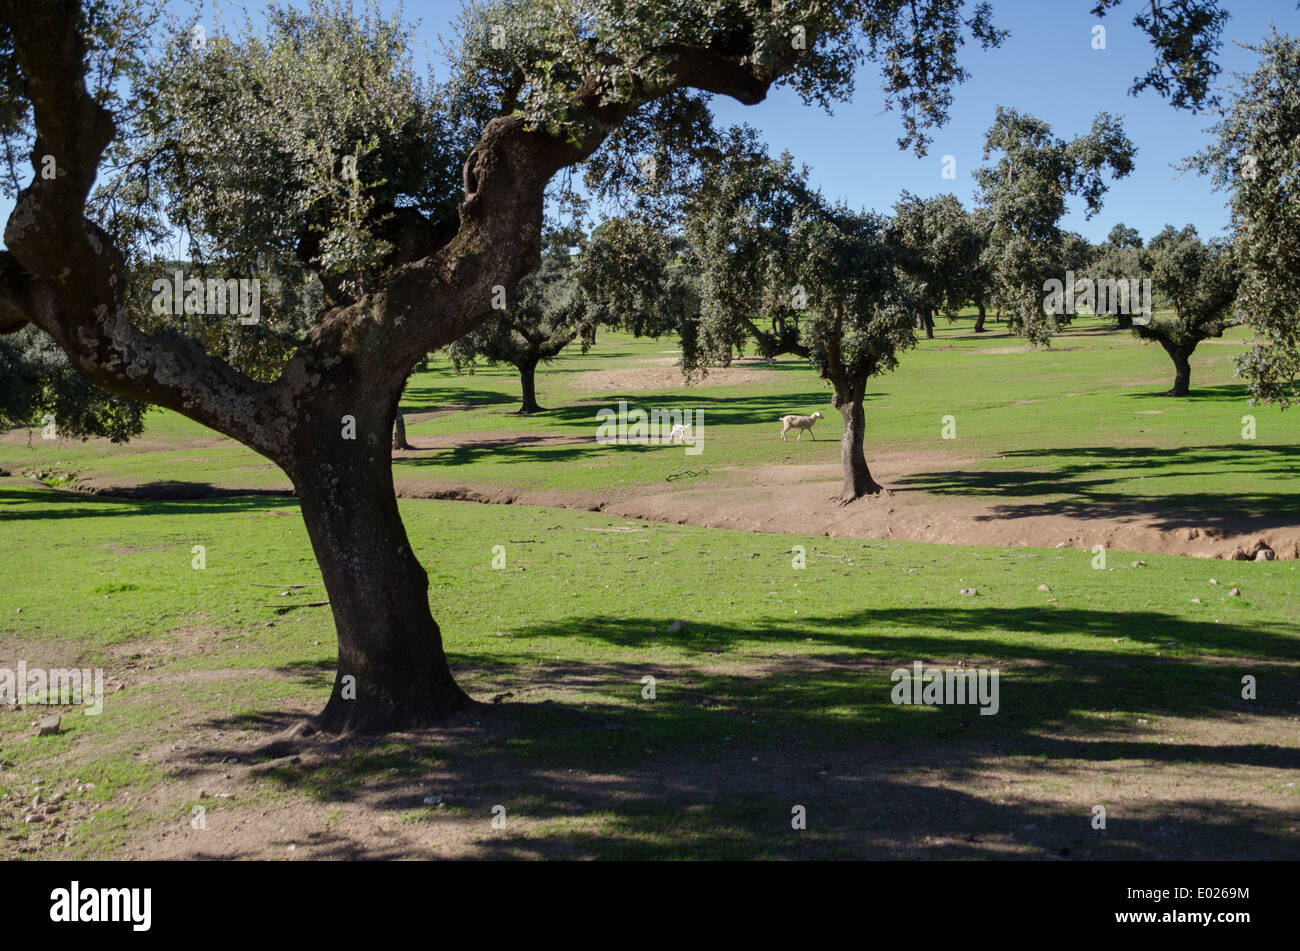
pixel 771 657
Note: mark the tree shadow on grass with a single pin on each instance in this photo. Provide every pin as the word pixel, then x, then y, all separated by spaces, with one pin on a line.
pixel 1093 486
pixel 1222 393
pixel 170 499
pixel 734 737
pixel 428 399
pixel 943 631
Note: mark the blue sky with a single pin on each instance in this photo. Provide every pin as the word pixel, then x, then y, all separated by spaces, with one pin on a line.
pixel 1048 68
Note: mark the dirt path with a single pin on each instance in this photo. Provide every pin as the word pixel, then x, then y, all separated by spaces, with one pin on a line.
pixel 793 499
pixel 804 500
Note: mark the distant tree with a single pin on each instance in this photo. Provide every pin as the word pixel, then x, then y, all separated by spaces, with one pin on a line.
pixel 639 278
pixel 769 244
pixel 733 226
pixel 1199 281
pixel 937 247
pixel 1077 252
pixel 546 312
pixel 1255 156
pixel 1122 236
pixel 1024 194
pixel 38 386
pixel 1118 258
pixel 982 278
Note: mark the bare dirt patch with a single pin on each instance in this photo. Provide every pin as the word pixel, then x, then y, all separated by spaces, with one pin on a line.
pixel 1174 787
pixel 920 806
pixel 795 499
pixel 15 438
pixel 803 500
pixel 655 378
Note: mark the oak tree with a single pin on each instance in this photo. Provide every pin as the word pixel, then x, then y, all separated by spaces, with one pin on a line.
pixel 1024 193
pixel 769 244
pixel 1198 280
pixel 937 246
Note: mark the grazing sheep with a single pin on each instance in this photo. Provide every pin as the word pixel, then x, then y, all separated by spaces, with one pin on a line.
pixel 800 423
pixel 681 432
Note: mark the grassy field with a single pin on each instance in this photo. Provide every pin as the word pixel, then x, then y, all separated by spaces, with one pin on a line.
pixel 1120 686
pixel 1080 426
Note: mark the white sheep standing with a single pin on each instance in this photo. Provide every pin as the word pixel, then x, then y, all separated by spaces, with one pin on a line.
pixel 801 423
pixel 681 432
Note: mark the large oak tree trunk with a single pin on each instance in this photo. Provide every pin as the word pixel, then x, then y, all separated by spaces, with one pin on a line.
pixel 928 319
pixel 979 321
pixel 392 672
pixel 1124 321
pixel 857 476
pixel 528 379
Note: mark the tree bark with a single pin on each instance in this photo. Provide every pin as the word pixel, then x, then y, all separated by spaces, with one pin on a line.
pixel 1124 321
pixel 927 317
pixel 528 380
pixel 1182 372
pixel 392 672
pixel 857 476
pixel 399 432
pixel 979 321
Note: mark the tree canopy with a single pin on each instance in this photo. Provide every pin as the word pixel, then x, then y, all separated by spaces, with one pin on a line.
pixel 1256 156
pixel 1024 194
pixel 938 247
